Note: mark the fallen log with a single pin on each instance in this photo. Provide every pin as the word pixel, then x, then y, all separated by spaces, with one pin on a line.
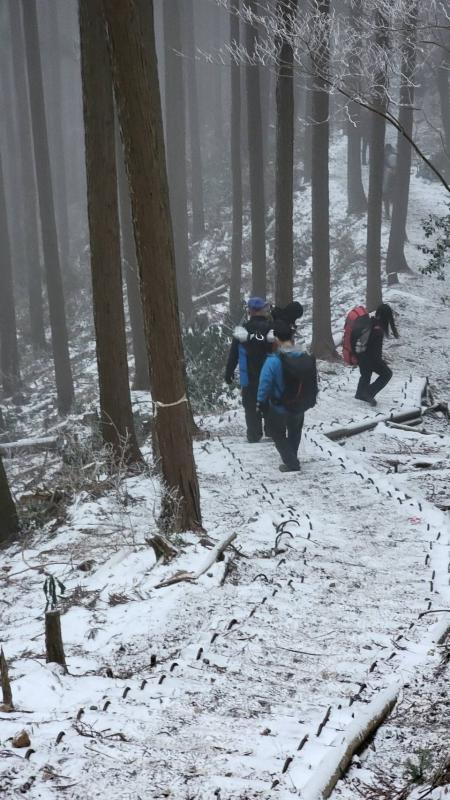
pixel 340 755
pixel 360 427
pixel 212 294
pixel 9 449
pixel 214 555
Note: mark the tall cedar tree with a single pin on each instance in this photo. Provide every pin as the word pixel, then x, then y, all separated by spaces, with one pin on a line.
pixel 60 346
pixel 98 104
pixel 176 151
pixel 322 339
pixel 236 168
pixel 255 157
pixel 376 169
pixel 198 214
pixel 356 198
pixel 53 102
pixel 28 180
pixel 9 353
pixel 444 99
pixel 395 259
pixel 141 381
pixel 9 523
pixel 133 60
pixel 284 185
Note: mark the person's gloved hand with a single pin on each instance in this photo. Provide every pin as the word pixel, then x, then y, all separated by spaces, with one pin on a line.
pixel 261 409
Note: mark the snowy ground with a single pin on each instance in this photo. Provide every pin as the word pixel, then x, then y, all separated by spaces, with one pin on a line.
pixel 248 682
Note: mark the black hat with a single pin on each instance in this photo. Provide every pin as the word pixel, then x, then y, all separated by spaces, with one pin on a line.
pixel 282 330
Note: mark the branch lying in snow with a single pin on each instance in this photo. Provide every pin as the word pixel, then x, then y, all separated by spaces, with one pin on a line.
pixel 213 556
pixel 335 765
pixel 30 445
pixel 352 429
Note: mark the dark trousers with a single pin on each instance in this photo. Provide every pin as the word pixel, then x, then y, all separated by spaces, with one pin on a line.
pixel 252 420
pixel 366 389
pixel 286 432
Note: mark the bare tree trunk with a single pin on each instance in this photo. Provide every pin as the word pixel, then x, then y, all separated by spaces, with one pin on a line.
pixel 54 647
pixel 444 98
pixel 376 169
pixel 396 260
pixel 63 372
pixel 133 60
pixel 322 339
pixel 11 167
pixel 176 152
pixel 9 355
pixel 356 198
pixel 236 169
pixel 104 228
pixel 307 142
pixel 198 216
pixel 256 160
pixel 284 204
pixel 54 122
pixel 9 523
pixel 141 380
pixel 28 180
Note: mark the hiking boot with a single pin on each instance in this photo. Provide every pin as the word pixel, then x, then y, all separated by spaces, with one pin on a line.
pixel 253 439
pixel 370 400
pixel 287 468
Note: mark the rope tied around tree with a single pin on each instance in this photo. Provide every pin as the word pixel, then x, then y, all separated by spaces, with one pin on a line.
pixel 159 404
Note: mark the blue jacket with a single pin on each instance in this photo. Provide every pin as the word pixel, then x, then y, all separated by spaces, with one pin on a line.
pixel 271 382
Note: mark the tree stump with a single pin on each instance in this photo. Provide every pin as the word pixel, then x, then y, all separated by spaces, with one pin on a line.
pixel 4 677
pixel 54 647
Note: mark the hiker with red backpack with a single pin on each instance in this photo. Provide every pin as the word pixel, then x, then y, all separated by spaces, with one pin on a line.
pixel 287 388
pixel 363 346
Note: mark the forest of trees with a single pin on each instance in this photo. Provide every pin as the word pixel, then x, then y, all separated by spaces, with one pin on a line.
pixel 136 132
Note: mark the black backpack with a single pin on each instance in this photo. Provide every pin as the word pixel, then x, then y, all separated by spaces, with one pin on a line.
pixel 300 381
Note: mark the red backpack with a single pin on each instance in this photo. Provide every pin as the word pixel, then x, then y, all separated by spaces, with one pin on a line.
pixel 356 321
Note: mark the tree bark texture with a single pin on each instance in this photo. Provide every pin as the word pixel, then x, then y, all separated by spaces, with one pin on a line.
pixel 444 98
pixel 54 647
pixel 284 182
pixel 176 152
pixel 376 170
pixel 116 415
pixel 356 197
pixel 198 215
pixel 9 523
pixel 141 380
pixel 133 59
pixel 9 352
pixel 63 372
pixel 396 260
pixel 55 126
pixel 322 339
pixel 28 180
pixel 256 160
pixel 236 169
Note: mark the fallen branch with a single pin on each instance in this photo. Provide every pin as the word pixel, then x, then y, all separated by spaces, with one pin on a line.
pixel 9 449
pixel 339 757
pixel 212 294
pixel 359 427
pixel 214 555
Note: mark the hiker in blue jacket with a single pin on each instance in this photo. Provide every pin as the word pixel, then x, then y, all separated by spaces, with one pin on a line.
pixel 285 425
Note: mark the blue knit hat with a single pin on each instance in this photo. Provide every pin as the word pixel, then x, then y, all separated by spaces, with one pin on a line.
pixel 257 303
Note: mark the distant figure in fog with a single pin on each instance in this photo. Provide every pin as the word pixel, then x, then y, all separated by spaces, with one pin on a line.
pixel 371 360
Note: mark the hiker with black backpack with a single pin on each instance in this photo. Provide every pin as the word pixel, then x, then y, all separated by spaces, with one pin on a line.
pixel 363 345
pixel 250 346
pixel 287 388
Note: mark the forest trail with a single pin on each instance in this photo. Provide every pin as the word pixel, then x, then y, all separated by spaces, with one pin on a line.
pixel 215 687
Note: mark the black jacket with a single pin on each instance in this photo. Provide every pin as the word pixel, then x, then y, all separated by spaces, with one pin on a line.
pixel 251 355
